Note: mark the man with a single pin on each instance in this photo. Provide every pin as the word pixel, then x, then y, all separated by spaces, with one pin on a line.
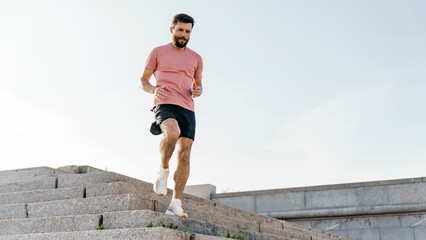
pixel 178 71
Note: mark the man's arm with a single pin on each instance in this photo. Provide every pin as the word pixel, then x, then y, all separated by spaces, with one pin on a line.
pixel 197 88
pixel 144 84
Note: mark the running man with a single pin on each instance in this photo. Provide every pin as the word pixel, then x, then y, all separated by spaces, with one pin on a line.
pixel 178 71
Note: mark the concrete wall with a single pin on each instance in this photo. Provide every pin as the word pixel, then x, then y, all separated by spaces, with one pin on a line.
pixel 203 190
pixel 377 227
pixel 369 210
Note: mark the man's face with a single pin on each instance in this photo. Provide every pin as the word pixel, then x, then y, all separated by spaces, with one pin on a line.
pixel 181 33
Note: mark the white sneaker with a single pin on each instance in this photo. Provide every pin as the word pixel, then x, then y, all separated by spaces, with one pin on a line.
pixel 175 208
pixel 160 185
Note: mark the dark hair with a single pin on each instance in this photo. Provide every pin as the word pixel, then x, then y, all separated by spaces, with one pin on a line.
pixel 182 17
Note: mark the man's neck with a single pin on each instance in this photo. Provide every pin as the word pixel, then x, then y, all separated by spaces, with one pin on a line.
pixel 178 48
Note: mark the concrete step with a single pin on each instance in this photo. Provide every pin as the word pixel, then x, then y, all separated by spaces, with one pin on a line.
pixel 144 218
pixel 212 213
pixel 28 185
pixel 50 224
pixel 158 233
pixel 42 195
pixel 28 173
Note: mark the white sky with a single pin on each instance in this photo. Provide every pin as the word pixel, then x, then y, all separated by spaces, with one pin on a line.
pixel 296 93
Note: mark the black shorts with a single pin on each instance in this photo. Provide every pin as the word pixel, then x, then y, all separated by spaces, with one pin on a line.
pixel 184 117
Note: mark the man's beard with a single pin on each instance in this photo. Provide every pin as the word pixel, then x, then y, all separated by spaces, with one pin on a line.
pixel 180 45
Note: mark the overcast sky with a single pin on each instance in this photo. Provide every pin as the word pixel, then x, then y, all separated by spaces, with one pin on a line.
pixel 296 93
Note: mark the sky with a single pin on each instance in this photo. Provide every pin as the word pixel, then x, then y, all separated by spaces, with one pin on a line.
pixel 296 93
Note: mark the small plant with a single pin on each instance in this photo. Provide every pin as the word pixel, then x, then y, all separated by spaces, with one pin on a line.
pixel 251 214
pixel 282 223
pixel 109 181
pixel 189 231
pixel 260 226
pixel 235 236
pixel 291 236
pixel 172 226
pixel 101 227
pixel 150 225
pixel 241 228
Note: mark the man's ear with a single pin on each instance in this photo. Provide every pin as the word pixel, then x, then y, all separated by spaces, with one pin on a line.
pixel 171 29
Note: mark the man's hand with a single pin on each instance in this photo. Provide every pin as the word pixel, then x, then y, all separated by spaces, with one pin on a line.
pixel 196 90
pixel 160 93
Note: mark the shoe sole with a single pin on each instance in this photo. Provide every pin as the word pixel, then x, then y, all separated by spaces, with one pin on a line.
pixel 160 194
pixel 184 215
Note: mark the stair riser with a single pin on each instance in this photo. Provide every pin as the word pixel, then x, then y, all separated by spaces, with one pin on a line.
pixel 80 206
pixel 46 225
pixel 42 195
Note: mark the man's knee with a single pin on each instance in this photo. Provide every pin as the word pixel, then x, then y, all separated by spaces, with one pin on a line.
pixel 184 151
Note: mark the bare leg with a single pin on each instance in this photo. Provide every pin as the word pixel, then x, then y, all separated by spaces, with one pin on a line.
pixel 171 132
pixel 182 170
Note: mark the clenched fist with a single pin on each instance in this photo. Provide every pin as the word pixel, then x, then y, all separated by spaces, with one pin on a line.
pixel 160 93
pixel 196 91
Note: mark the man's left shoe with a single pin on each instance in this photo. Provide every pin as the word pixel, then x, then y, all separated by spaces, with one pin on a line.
pixel 160 185
pixel 175 208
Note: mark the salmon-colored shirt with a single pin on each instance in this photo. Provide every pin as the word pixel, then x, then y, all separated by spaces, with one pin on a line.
pixel 175 70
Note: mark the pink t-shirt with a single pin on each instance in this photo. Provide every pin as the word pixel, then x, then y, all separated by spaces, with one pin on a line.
pixel 175 70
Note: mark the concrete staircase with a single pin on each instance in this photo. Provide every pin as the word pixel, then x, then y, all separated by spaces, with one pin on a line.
pixel 81 202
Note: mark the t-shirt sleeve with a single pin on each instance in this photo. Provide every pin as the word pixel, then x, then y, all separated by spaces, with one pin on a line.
pixel 199 71
pixel 151 62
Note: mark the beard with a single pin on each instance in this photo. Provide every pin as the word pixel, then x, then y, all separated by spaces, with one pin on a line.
pixel 178 44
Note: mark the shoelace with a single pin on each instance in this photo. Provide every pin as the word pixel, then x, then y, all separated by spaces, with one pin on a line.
pixel 162 176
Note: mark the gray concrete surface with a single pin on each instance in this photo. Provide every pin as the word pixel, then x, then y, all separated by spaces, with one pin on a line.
pixel 11 211
pixel 76 196
pixel 407 195
pixel 27 173
pixel 158 233
pixel 378 210
pixel 74 169
pixel 28 185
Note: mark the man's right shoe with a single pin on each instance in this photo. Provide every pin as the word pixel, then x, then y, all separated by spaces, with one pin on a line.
pixel 160 185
